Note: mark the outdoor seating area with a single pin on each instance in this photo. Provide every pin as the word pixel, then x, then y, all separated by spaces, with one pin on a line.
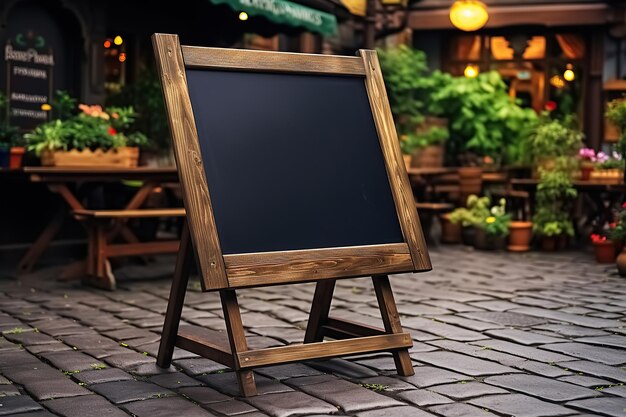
pixel 291 208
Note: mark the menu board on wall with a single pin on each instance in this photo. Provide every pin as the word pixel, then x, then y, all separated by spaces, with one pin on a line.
pixel 29 69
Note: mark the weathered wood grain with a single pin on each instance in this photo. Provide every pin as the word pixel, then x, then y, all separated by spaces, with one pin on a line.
pixel 269 268
pixel 391 320
pixel 249 60
pixel 396 170
pixel 292 353
pixel 188 159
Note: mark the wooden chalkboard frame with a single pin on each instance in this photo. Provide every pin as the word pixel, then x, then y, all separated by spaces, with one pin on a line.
pixel 226 273
pixel 249 270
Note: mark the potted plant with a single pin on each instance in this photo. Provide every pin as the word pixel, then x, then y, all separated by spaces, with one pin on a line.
pixel 587 158
pixel 410 88
pixel 484 119
pixel 616 115
pixel 552 221
pixel 610 167
pixel 604 248
pixel 492 231
pixel 93 137
pixel 475 213
pixel 520 235
pixel 551 139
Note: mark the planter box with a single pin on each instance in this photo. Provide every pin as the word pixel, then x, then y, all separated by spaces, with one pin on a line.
pixel 607 175
pixel 125 157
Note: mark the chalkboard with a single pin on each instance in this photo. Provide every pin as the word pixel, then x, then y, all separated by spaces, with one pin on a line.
pixel 290 172
pixel 292 161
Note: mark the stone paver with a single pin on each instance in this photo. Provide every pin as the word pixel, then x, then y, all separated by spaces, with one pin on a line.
pixel 541 387
pixel 606 406
pixel 494 333
pixel 519 405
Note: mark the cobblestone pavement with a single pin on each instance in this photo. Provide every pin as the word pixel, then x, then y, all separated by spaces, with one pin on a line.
pixel 495 334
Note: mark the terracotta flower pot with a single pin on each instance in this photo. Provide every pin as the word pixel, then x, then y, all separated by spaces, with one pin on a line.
pixel 585 172
pixel 15 159
pixel 520 235
pixel 470 182
pixel 429 157
pixel 450 232
pixel 621 263
pixel 605 251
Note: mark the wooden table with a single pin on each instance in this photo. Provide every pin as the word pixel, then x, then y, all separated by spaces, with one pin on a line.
pixel 595 189
pixel 66 181
pixel 428 178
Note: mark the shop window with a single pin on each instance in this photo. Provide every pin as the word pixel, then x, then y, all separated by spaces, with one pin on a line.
pixel 537 68
pixel 115 57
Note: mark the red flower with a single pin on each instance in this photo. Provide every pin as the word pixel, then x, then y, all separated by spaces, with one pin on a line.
pixel 612 225
pixel 550 105
pixel 112 131
pixel 624 205
pixel 595 238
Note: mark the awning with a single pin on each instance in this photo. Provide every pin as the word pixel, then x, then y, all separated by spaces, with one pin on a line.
pixel 286 13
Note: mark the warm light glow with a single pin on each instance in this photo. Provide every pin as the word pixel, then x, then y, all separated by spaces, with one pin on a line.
pixel 118 40
pixel 569 73
pixel 46 107
pixel 471 71
pixel 122 57
pixel 243 16
pixel 468 15
pixel 107 43
pixel 557 82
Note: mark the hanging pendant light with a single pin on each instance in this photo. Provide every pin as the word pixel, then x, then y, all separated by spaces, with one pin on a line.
pixel 469 15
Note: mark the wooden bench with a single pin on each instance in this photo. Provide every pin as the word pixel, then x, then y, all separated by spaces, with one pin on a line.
pixel 427 213
pixel 101 226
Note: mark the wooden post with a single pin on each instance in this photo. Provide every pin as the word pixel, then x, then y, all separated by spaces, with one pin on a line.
pixel 319 310
pixel 176 300
pixel 237 340
pixel 391 319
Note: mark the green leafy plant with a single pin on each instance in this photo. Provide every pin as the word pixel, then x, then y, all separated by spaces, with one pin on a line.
pixel 497 224
pixel 410 87
pixel 616 114
pixel 92 128
pixel 554 197
pixel 618 230
pixel 552 138
pixel 146 98
pixel 484 119
pixel 474 213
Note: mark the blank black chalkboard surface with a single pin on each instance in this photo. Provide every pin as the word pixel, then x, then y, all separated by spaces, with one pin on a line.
pixel 291 172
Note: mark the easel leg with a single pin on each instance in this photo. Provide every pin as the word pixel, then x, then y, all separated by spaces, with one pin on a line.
pixel 177 298
pixel 237 340
pixel 319 310
pixel 391 319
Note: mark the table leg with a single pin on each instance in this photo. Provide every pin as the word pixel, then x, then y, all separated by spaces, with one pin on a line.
pixel 39 246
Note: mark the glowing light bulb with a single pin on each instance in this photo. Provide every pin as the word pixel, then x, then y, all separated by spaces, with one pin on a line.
pixel 122 57
pixel 468 15
pixel 107 43
pixel 118 40
pixel 243 16
pixel 471 71
pixel 569 73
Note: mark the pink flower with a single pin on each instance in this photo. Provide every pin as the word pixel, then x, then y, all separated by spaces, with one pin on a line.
pixel 587 153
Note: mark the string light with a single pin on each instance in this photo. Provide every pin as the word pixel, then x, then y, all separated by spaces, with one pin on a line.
pixel 122 57
pixel 118 40
pixel 107 43
pixel 243 16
